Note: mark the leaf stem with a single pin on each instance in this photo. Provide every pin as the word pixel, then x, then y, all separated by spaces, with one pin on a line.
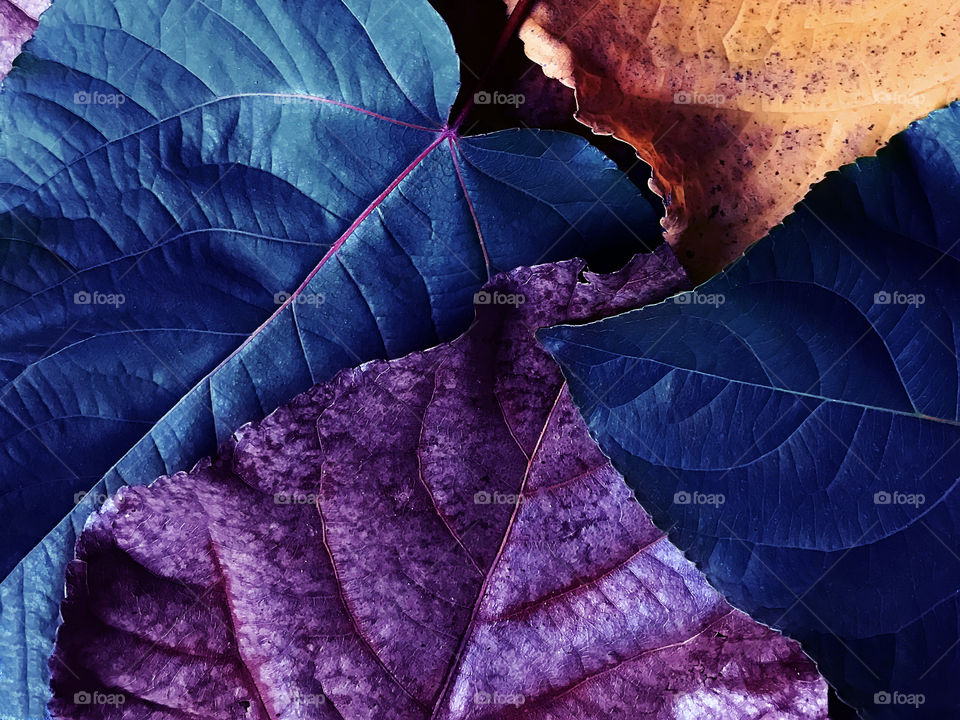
pixel 518 15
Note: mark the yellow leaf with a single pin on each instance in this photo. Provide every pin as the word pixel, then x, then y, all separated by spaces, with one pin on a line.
pixel 740 105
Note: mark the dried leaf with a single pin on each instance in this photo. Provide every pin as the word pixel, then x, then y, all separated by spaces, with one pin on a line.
pixel 18 20
pixel 740 105
pixel 430 537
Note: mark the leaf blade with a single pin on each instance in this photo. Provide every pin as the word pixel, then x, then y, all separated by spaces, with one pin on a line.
pixel 434 602
pixel 819 384
pixel 252 175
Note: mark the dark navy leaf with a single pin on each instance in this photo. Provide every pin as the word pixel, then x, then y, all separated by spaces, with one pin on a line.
pixel 205 208
pixel 795 423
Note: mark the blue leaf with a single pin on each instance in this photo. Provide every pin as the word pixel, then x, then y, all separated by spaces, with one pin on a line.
pixel 205 208
pixel 795 423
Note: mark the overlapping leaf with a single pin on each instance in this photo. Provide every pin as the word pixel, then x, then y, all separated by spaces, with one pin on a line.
pixel 815 386
pixel 518 93
pixel 740 105
pixel 527 97
pixel 170 171
pixel 18 20
pixel 435 536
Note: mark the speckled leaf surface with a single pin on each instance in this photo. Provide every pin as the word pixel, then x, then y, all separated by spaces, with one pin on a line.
pixel 815 385
pixel 430 537
pixel 206 208
pixel 18 20
pixel 741 105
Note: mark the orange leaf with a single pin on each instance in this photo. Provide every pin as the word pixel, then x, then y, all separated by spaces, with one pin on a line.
pixel 740 105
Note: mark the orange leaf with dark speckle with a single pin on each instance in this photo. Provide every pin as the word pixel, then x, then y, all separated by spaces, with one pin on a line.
pixel 741 105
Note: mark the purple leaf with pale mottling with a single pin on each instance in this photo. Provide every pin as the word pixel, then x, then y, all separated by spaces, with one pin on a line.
pixel 18 20
pixel 361 554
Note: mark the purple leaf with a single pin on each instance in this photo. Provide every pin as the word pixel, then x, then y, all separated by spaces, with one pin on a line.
pixel 18 20
pixel 362 553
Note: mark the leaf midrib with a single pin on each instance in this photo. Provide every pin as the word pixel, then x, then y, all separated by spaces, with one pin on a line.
pixel 193 108
pixel 771 388
pixel 482 592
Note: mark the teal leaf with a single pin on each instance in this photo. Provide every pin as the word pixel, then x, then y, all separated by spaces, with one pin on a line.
pixel 205 208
